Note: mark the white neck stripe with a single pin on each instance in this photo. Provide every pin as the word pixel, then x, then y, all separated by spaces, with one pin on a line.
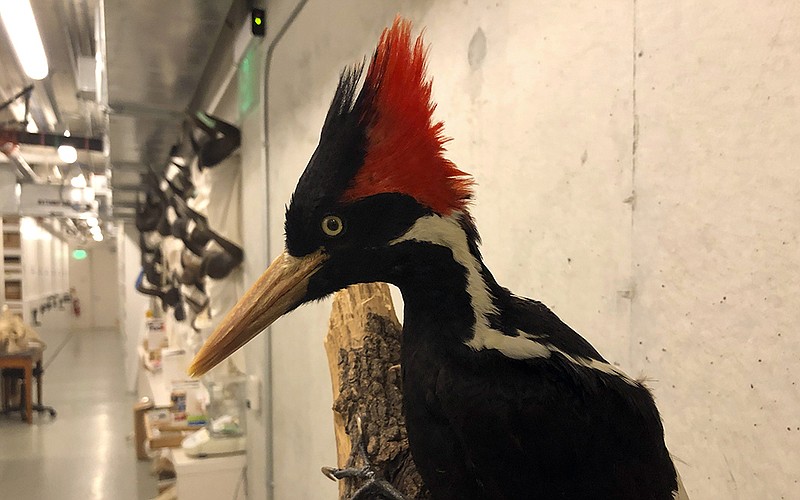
pixel 447 232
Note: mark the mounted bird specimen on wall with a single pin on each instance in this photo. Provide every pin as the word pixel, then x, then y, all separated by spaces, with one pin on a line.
pixel 179 247
pixel 502 399
pixel 213 139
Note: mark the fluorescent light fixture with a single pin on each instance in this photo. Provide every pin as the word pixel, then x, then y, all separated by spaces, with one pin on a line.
pixel 91 221
pixel 95 230
pixel 97 236
pixel 67 133
pixel 68 154
pixel 21 27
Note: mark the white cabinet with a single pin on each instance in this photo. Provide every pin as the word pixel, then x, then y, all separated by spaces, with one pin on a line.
pixel 209 478
pixel 35 279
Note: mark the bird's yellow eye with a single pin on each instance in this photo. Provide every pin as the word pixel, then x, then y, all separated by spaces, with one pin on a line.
pixel 332 225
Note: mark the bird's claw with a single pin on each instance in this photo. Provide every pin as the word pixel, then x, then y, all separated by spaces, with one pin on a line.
pixel 335 474
pixel 372 488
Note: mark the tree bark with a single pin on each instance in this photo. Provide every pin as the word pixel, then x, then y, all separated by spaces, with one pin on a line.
pixel 363 347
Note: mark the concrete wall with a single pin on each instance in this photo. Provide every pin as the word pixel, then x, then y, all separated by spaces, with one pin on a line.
pixel 715 239
pixel 132 305
pixel 637 171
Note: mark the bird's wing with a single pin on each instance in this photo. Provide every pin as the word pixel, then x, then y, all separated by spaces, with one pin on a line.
pixel 544 429
pixel 537 319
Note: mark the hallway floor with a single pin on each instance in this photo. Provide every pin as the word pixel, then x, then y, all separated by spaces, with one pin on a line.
pixel 85 452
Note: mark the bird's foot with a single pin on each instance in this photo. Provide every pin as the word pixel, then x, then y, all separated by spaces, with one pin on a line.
pixel 377 488
pixel 373 487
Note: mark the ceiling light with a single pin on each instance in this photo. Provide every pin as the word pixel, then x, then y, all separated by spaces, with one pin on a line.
pixel 21 27
pixel 91 221
pixel 97 236
pixel 79 181
pixel 66 133
pixel 31 127
pixel 95 230
pixel 68 154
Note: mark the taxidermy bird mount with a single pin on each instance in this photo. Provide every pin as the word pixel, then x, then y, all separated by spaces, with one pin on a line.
pixel 502 399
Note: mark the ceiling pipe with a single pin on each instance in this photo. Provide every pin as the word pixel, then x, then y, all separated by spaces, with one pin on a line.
pixel 24 171
pixel 52 102
pixel 26 92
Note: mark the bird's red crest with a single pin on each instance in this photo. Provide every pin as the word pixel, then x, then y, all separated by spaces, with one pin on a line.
pixel 405 152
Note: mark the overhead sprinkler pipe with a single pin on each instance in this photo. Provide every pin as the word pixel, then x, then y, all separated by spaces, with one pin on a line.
pixel 24 171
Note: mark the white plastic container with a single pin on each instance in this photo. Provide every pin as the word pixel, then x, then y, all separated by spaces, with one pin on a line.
pixel 174 364
pixel 211 478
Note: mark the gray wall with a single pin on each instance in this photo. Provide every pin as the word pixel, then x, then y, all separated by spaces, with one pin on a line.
pixel 132 304
pixel 637 171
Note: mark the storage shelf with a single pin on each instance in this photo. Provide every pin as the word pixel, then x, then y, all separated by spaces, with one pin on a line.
pixel 10 228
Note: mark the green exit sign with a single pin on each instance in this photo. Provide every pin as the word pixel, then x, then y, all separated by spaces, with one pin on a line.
pixel 248 81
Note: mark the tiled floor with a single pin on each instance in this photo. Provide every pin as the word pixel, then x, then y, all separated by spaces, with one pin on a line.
pixel 85 452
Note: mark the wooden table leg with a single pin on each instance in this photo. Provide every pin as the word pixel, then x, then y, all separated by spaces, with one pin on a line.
pixel 139 427
pixel 5 390
pixel 29 392
pixel 39 383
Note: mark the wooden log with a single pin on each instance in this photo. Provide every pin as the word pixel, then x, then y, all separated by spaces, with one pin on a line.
pixel 363 347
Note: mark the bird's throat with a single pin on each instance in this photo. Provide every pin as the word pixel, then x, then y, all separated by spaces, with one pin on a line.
pixel 447 290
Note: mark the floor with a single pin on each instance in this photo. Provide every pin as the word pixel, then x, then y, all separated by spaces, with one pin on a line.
pixel 86 451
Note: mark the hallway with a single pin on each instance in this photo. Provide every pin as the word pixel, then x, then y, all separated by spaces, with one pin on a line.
pixel 84 453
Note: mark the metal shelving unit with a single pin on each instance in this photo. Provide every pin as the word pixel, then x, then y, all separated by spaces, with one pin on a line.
pixel 12 282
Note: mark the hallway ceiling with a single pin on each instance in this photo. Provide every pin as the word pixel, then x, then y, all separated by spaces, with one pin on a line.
pixel 156 53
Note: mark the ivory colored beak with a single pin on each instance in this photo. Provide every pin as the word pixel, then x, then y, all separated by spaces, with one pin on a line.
pixel 277 291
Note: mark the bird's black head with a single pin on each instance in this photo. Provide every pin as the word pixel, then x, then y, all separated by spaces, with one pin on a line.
pixel 378 169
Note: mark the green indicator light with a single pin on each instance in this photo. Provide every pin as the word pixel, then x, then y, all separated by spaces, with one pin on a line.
pixel 79 254
pixel 258 22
